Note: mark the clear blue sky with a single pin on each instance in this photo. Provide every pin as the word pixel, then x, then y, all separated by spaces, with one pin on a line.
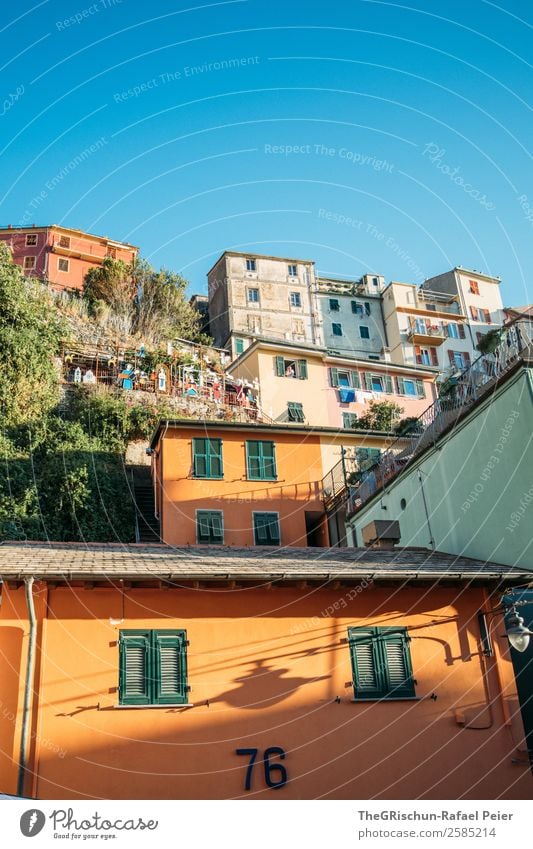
pixel 411 123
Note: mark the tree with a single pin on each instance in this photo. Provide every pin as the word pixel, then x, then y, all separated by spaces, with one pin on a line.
pixel 30 334
pixel 381 415
pixel 113 284
pixel 162 311
pixel 152 304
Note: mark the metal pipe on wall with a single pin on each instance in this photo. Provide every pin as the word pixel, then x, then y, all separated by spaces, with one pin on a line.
pixel 28 687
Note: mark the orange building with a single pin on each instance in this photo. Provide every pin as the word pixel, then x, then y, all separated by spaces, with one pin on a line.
pixel 247 484
pixel 62 255
pixel 217 673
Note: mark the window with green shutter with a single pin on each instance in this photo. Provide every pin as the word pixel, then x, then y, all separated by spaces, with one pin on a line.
pixel 381 663
pixel 349 420
pixel 290 368
pixel 266 529
pixel 152 667
pixel 302 369
pixel 209 526
pixel 260 460
pixel 295 411
pixel 207 458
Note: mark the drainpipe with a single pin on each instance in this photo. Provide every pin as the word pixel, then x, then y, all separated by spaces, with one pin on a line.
pixel 28 687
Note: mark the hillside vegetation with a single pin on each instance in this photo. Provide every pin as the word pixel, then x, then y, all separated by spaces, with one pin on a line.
pixel 62 474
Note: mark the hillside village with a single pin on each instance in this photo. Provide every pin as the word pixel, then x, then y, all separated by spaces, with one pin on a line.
pixel 338 449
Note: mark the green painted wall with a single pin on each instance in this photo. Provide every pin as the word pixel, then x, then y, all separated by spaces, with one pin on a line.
pixel 478 484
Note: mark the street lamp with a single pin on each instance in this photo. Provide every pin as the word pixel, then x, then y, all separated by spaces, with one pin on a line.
pixel 516 632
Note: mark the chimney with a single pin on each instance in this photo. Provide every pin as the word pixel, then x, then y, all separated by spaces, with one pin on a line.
pixel 381 534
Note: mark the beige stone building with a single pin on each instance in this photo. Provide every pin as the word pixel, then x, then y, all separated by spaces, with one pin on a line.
pixel 252 295
pixel 424 326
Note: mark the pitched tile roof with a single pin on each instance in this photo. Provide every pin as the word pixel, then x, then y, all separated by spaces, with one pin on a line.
pixel 100 561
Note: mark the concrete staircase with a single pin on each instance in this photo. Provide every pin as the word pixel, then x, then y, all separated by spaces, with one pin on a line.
pixel 147 526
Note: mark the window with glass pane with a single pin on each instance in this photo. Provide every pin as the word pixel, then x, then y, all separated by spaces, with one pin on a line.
pixel 250 265
pixel 296 299
pixel 364 332
pixel 253 296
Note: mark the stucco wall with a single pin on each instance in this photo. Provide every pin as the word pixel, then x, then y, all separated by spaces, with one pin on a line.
pixel 266 668
pixel 473 483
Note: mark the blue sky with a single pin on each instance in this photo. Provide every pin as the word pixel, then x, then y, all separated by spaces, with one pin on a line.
pixel 369 136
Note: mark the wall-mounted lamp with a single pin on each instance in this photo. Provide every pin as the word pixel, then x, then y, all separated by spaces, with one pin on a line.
pixel 516 632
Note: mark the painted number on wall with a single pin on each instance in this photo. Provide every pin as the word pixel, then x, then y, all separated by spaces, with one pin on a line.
pixel 275 773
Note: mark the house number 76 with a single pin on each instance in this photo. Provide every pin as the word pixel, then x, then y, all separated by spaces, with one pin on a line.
pixel 275 773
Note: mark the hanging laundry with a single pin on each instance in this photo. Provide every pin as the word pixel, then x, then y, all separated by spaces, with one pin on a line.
pixel 346 395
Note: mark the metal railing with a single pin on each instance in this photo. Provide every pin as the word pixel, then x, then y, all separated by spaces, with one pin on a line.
pixel 458 393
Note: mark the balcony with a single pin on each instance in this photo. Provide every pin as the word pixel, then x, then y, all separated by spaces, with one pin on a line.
pixel 422 332
pixel 437 302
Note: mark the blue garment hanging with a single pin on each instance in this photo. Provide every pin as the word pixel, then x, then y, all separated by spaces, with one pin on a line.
pixel 346 395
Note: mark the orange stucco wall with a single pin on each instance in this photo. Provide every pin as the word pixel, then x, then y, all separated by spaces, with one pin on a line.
pixel 299 471
pixel 266 668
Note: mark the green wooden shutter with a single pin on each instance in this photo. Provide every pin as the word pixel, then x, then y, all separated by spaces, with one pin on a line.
pixel 260 529
pixel 302 369
pixel 135 668
pixel 420 389
pixel 388 384
pixel 199 456
pixel 214 450
pixel 334 377
pixel 279 365
pixel 209 526
pixel 273 529
pixel 368 381
pixel 381 663
pixel 367 679
pixel 269 459
pixel 354 379
pixel 398 681
pixel 253 459
pixel 170 667
pixel 295 411
pixel 367 308
pixel 266 527
pixel 217 532
pixel 202 519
